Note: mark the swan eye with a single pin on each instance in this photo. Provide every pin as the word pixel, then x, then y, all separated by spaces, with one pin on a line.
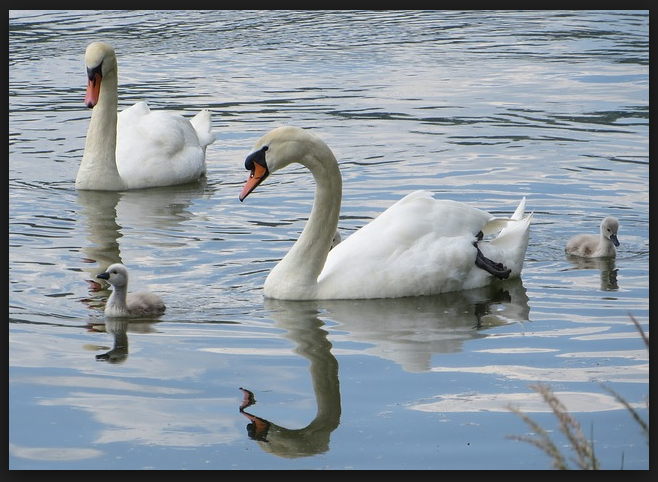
pixel 93 71
pixel 257 157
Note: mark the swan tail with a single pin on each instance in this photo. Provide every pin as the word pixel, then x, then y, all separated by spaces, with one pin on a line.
pixel 520 210
pixel 201 124
pixel 512 241
pixel 513 232
pixel 496 225
pixel 504 225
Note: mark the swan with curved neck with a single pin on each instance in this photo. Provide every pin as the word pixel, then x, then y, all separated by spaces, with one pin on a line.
pixel 418 246
pixel 137 148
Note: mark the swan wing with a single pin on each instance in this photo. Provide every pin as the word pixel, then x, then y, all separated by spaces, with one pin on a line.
pixel 420 245
pixel 156 148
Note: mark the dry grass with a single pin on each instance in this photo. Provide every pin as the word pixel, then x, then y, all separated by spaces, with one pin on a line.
pixel 585 457
pixel 569 426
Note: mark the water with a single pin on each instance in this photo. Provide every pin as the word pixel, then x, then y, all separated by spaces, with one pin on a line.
pixel 480 107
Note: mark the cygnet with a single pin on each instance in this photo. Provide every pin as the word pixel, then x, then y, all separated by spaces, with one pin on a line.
pixel 122 303
pixel 593 246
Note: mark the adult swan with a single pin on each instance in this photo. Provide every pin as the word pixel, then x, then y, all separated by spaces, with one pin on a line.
pixel 418 246
pixel 145 149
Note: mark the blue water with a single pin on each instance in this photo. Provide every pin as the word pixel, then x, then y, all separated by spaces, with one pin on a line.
pixel 483 107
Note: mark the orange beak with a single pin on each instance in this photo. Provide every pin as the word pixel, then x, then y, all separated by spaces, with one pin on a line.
pixel 93 90
pixel 258 175
pixel 258 428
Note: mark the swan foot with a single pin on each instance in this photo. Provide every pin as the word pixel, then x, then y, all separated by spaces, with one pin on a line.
pixel 496 269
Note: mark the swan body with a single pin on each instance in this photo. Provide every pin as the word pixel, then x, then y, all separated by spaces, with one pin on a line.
pixel 137 148
pixel 418 246
pixel 124 304
pixel 596 246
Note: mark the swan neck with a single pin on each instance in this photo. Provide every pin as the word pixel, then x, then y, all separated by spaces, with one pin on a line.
pixel 295 277
pixel 98 169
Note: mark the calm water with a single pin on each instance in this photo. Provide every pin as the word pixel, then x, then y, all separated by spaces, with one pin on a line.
pixel 480 107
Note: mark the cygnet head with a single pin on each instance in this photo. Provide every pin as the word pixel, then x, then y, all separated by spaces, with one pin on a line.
pixel 116 275
pixel 609 229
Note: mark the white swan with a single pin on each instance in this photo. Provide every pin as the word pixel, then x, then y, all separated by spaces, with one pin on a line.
pixel 593 246
pixel 124 304
pixel 146 149
pixel 418 246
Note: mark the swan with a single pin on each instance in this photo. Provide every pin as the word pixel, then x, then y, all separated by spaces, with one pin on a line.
pixel 137 148
pixel 593 246
pixel 418 246
pixel 124 304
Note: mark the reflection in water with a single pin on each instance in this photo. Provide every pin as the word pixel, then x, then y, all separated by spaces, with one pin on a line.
pixel 98 209
pixel 106 213
pixel 119 328
pixel 300 319
pixel 119 351
pixel 406 330
pixel 259 427
pixel 161 207
pixel 606 266
pixel 409 331
pixel 528 402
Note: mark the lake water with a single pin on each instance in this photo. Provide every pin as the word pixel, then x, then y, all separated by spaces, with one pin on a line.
pixel 483 107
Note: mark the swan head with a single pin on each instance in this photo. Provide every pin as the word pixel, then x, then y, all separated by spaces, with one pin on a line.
pixel 609 229
pixel 116 275
pixel 275 150
pixel 100 61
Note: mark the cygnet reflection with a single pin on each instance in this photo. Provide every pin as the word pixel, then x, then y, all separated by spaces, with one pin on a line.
pixel 119 328
pixel 606 267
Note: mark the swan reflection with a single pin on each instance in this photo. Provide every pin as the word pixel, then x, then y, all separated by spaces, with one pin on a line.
pixel 409 331
pixel 304 328
pixel 606 266
pixel 106 213
pixel 406 330
pixel 98 210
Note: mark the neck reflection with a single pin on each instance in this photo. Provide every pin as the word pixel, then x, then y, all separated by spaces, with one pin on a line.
pixel 304 328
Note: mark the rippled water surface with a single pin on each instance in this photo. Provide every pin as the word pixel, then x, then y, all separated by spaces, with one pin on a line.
pixel 480 107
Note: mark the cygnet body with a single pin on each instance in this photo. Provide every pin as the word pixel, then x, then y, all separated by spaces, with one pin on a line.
pixel 124 304
pixel 593 246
